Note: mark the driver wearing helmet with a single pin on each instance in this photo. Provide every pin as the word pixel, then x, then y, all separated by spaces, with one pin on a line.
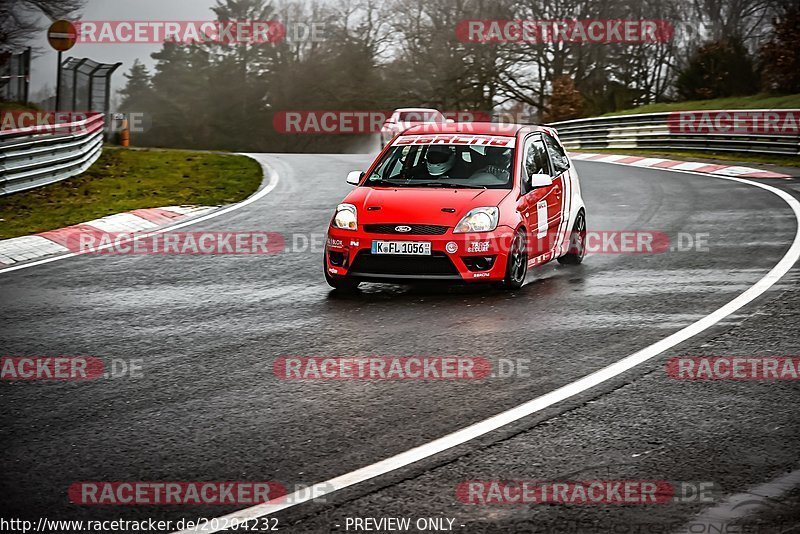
pixel 440 160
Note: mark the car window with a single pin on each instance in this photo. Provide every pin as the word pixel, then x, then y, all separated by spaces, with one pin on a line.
pixel 557 155
pixel 445 165
pixel 536 161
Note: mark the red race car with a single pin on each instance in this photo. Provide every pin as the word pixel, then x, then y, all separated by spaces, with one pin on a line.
pixel 474 202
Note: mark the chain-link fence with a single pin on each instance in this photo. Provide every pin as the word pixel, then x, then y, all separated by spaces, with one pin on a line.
pixel 15 76
pixel 86 85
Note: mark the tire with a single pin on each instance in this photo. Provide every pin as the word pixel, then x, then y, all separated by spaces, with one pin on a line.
pixel 338 282
pixel 517 264
pixel 577 242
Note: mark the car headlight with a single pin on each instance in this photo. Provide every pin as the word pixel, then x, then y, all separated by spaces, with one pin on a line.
pixel 478 220
pixel 345 217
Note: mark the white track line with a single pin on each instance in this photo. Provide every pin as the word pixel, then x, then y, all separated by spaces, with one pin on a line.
pixel 741 505
pixel 273 183
pixel 538 404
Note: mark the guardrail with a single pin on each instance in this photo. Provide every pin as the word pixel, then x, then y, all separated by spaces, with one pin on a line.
pixel 666 131
pixel 40 155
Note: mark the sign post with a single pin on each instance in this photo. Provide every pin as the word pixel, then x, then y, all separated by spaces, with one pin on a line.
pixel 62 36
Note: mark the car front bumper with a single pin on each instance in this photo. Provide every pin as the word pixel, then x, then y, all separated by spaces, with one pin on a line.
pixel 477 257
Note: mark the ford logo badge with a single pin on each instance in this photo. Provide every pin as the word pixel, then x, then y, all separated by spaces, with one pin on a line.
pixel 402 229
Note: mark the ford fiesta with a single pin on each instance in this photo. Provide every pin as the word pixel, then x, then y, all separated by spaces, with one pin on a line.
pixel 458 202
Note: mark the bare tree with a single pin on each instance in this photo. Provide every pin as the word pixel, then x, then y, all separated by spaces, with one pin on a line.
pixel 20 19
pixel 745 20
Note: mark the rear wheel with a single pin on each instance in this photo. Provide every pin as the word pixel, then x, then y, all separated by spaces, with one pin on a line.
pixel 517 265
pixel 577 242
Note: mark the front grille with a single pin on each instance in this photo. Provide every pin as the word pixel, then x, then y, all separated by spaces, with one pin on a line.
pixel 437 264
pixel 416 229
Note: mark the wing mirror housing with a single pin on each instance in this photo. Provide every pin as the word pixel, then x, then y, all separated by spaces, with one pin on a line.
pixel 354 177
pixel 540 180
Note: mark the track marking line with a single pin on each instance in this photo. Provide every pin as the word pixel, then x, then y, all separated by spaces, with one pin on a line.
pixel 538 404
pixel 273 183
pixel 742 505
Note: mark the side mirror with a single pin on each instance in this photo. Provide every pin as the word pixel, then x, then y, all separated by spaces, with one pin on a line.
pixel 354 177
pixel 540 180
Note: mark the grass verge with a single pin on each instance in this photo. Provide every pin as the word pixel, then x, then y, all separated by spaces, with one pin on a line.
pixel 127 179
pixel 760 101
pixel 764 159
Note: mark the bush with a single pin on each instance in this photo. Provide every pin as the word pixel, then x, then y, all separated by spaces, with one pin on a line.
pixel 718 69
pixel 566 101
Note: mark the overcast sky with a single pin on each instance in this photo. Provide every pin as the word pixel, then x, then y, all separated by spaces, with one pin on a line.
pixel 43 66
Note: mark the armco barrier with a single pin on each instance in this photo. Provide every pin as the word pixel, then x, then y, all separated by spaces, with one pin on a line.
pixel 40 155
pixel 663 131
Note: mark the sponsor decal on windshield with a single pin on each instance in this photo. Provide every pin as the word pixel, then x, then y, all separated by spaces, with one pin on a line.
pixel 457 139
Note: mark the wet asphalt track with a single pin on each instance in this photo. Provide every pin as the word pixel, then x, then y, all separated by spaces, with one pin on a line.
pixel 208 329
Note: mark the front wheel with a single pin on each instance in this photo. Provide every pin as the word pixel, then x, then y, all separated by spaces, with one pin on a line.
pixel 577 242
pixel 517 265
pixel 340 283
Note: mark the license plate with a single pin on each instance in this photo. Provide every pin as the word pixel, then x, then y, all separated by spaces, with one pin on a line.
pixel 411 248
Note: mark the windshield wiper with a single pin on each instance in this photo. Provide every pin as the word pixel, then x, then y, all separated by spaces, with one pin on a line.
pixel 451 185
pixel 381 181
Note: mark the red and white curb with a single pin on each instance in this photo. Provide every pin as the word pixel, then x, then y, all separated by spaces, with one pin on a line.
pixel 661 163
pixel 63 240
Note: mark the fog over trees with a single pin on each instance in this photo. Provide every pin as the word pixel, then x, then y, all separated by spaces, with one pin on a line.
pixel 383 54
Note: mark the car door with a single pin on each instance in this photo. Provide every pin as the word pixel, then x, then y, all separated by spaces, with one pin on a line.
pixel 540 205
pixel 559 202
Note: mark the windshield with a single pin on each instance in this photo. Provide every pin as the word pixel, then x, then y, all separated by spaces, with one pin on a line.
pixel 444 165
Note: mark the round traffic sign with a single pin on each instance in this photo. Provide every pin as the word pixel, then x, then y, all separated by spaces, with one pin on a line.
pixel 62 35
